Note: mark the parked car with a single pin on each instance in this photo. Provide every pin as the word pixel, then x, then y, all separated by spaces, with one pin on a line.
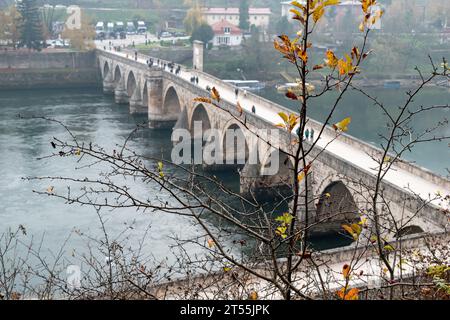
pixel 180 34
pixel 166 34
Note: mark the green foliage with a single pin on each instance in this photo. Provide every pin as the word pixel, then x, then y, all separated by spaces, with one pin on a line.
pixel 203 33
pixel 31 30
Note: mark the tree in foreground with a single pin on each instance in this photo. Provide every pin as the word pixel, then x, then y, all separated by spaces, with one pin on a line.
pixel 260 249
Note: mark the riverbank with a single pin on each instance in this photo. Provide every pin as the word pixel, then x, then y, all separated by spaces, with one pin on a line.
pixel 20 69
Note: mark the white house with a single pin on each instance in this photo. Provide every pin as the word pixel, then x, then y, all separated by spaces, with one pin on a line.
pixel 226 33
pixel 259 17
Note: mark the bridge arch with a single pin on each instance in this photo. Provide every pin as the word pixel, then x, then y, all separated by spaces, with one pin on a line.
pixel 171 104
pixel 106 70
pixel 117 75
pixel 408 230
pixel 336 203
pixel 131 84
pixel 238 149
pixel 200 114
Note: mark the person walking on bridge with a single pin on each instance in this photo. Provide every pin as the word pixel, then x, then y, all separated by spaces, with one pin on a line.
pixel 307 134
pixel 135 55
pixel 312 135
pixel 236 92
pixel 254 109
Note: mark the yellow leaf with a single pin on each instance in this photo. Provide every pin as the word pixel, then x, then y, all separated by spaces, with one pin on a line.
pixel 331 2
pixel 361 27
pixel 201 99
pixel 281 231
pixel 301 176
pixel 352 294
pixel 51 190
pixel 318 13
pixel 226 269
pixel 343 125
pixel 331 60
pixel 215 94
pixel 77 152
pixel 356 228
pixel 253 295
pixel 350 230
pixel 298 5
pixel 239 108
pixel 284 116
pixel 210 243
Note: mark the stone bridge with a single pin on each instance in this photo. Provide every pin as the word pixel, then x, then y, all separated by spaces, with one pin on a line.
pixel 340 170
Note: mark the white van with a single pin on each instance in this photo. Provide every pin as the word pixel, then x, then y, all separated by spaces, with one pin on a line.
pixel 100 30
pixel 142 28
pixel 131 28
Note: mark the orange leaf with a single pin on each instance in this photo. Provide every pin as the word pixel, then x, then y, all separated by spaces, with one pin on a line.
pixel 291 95
pixel 215 94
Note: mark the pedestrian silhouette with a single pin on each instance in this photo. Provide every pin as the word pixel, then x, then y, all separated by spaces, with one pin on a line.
pixel 307 134
pixel 312 134
pixel 253 109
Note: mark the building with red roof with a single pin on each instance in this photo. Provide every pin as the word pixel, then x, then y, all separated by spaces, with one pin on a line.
pixel 226 33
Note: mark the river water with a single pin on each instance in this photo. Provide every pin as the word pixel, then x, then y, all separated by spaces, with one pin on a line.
pixel 96 118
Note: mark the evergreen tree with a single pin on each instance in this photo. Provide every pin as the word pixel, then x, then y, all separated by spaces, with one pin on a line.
pixel 244 17
pixel 31 30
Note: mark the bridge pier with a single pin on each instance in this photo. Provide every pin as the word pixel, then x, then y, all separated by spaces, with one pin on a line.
pixel 108 87
pixel 137 106
pixel 252 182
pixel 157 116
pixel 121 96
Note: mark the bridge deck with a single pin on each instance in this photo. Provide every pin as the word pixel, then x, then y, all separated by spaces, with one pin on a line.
pixel 399 177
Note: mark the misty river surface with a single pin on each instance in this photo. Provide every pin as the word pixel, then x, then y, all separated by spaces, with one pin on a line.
pixel 95 117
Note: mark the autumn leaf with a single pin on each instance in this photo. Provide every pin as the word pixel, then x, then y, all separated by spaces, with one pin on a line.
pixel 346 271
pixel 202 99
pixel 78 152
pixel 301 176
pixel 215 94
pixel 286 218
pixel 284 116
pixel 291 95
pixel 160 169
pixel 253 295
pixel 318 67
pixel 318 13
pixel 210 243
pixel 331 60
pixel 226 269
pixel 281 231
pixel 352 294
pixel 342 125
pixel 239 108
pixel 354 230
pixel 51 190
